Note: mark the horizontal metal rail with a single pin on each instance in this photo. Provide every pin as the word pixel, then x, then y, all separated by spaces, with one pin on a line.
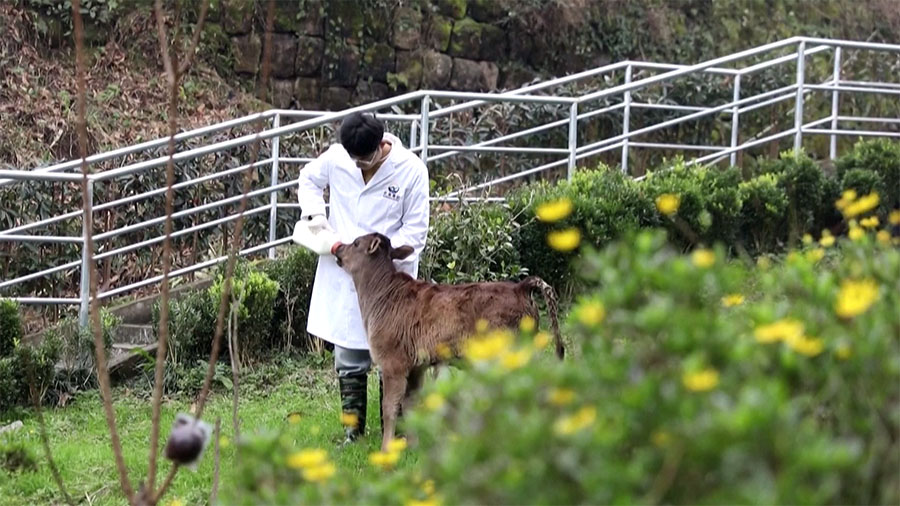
pixel 863 119
pixel 854 133
pixel 60 239
pixel 45 300
pixel 40 274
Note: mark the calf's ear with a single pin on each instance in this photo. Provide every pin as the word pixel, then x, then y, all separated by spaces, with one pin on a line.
pixel 373 247
pixel 401 252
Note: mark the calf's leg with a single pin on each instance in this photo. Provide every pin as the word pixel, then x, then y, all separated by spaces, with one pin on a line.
pixel 394 390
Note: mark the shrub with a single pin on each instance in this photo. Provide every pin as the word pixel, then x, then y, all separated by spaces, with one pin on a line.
pixel 763 214
pixel 192 321
pixel 256 294
pixel 472 243
pixel 863 181
pixel 294 274
pixel 10 327
pixel 28 366
pixel 804 184
pixel 684 388
pixel 605 204
pixel 881 156
pixel 77 342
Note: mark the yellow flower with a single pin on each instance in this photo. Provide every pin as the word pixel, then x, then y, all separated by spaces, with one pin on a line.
pixel 591 313
pixel 397 445
pixel 428 487
pixel 515 359
pixel 294 418
pixel 527 324
pixel 490 346
pixel 554 210
pixel 827 241
pixel 870 222
pixel 582 419
pixel 668 203
pixel 734 299
pixel 894 217
pixel 564 240
pixel 319 473
pixel 855 297
pixel 349 419
pixel 763 263
pixel 561 396
pixel 431 501
pixel 843 352
pixel 807 346
pixel 434 401
pixel 814 255
pixel 176 502
pixel 541 340
pixel 782 330
pixel 703 258
pixel 807 239
pixel 224 442
pixel 883 236
pixel 311 457
pixel 846 199
pixel 861 206
pixel 384 460
pixel 856 233
pixel 661 438
pixel 701 381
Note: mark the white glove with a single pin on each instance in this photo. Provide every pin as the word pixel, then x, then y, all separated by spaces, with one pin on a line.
pixel 315 235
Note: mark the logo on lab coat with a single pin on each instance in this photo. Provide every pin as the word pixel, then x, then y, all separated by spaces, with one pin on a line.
pixel 392 192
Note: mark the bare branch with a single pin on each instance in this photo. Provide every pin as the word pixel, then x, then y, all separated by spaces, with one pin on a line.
pixel 42 426
pixel 99 349
pixel 239 223
pixel 166 483
pixel 195 39
pixel 163 45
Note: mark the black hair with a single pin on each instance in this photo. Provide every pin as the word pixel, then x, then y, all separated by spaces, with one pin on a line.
pixel 361 134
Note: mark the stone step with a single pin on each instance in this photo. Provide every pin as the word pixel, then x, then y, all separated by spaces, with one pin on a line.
pixel 131 333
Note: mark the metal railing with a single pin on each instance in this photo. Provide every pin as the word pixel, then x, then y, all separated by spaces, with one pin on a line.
pixel 416 115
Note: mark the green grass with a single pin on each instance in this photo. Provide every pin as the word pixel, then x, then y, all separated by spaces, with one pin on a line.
pixel 81 444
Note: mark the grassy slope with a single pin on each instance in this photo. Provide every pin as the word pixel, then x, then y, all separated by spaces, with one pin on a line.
pixel 82 450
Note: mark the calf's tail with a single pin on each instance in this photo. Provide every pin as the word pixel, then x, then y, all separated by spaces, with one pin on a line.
pixel 549 294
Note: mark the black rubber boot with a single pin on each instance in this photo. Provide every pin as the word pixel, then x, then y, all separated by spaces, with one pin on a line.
pixel 353 402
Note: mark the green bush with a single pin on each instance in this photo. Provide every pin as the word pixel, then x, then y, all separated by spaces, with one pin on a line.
pixel 294 274
pixel 10 327
pixel 28 366
pixel 763 214
pixel 804 184
pixel 192 321
pixel 256 294
pixel 684 387
pixel 605 204
pixel 472 243
pixel 77 342
pixel 881 156
pixel 864 182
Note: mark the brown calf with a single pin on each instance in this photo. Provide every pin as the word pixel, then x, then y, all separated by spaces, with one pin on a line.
pixel 411 324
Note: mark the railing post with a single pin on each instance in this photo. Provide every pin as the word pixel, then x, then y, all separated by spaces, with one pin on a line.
pixel 273 196
pixel 798 106
pixel 573 139
pixel 735 119
pixel 86 224
pixel 412 133
pixel 626 121
pixel 424 154
pixel 836 78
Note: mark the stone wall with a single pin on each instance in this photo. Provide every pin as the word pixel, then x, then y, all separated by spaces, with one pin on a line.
pixel 331 54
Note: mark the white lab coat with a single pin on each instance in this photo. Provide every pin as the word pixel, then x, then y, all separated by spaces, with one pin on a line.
pixel 394 203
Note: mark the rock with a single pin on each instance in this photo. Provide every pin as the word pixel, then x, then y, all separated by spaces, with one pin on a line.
pixel 345 18
pixel 367 91
pixel 246 50
pixel 466 39
pixel 309 55
pixel 407 28
pixel 336 98
pixel 282 93
pixel 217 44
pixel 517 75
pixel 238 16
pixel 469 75
pixel 306 92
pixel 284 52
pixel 486 11
pixel 379 61
pixel 342 64
pixel 454 8
pixel 493 43
pixel 438 33
pixel 301 17
pixel 12 427
pixel 436 70
pixel 409 71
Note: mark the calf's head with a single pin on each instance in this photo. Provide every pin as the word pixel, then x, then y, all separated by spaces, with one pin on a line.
pixel 369 252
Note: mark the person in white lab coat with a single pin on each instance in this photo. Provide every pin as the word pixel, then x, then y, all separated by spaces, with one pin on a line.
pixel 375 185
